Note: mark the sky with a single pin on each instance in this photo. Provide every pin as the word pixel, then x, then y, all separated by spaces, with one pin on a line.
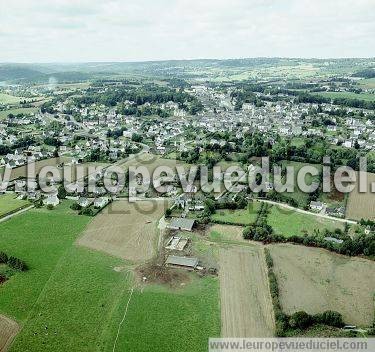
pixel 142 30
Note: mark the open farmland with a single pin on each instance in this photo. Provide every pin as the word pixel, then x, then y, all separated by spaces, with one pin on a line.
pixel 316 280
pixel 8 203
pixel 362 205
pixel 8 329
pixel 125 230
pixel 246 307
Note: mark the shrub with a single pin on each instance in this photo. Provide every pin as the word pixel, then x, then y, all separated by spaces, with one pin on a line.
pixel 88 212
pixel 3 257
pixel 300 320
pixel 331 318
pixel 75 206
pixel 168 213
pixel 50 207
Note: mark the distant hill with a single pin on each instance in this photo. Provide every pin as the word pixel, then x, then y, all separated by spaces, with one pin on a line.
pixel 12 72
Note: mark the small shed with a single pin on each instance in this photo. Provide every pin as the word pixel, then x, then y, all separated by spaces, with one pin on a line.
pixel 189 263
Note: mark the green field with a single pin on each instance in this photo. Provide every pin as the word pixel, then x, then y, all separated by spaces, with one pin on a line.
pixel 9 99
pixel 4 114
pixel 237 217
pixel 350 95
pixel 159 319
pixel 8 203
pixel 289 223
pixel 72 299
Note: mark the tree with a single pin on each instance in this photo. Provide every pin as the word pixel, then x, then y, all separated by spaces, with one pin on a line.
pixel 61 193
pixel 168 213
pixel 300 320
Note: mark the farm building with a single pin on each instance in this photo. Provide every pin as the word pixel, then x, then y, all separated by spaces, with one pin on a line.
pixel 182 262
pixel 177 243
pixel 182 224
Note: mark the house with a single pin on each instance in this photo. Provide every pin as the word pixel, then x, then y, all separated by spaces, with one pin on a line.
pixel 182 224
pixel 51 200
pixel 83 202
pixel 318 206
pixel 182 262
pixel 101 202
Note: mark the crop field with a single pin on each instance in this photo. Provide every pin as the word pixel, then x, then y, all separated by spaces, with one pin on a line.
pixel 288 222
pixel 125 230
pixel 151 162
pixel 246 307
pixel 316 280
pixel 240 217
pixel 362 205
pixel 8 203
pixel 8 329
pixel 22 170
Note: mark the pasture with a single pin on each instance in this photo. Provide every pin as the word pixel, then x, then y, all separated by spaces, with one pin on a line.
pixel 165 320
pixel 288 222
pixel 237 217
pixel 246 307
pixel 4 114
pixel 362 205
pixel 316 280
pixel 349 95
pixel 9 203
pixel 126 230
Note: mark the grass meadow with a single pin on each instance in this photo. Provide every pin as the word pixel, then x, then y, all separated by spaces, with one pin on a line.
pixel 9 202
pixel 72 299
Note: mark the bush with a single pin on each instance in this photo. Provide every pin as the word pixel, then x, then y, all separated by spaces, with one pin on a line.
pixel 300 320
pixel 330 318
pixel 50 207
pixel 17 264
pixel 168 213
pixel 75 206
pixel 3 257
pixel 88 212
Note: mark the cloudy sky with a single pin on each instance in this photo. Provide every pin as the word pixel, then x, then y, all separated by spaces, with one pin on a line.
pixel 128 30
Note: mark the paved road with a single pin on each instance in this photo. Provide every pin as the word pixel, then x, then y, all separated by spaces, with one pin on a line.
pixel 5 218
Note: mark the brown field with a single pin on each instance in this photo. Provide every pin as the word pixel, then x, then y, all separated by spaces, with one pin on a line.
pixel 8 330
pixel 316 280
pixel 246 307
pixel 151 162
pixel 362 205
pixel 22 170
pixel 125 230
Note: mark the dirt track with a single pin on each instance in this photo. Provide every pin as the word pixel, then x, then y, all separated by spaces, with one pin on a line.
pixel 316 280
pixel 246 307
pixel 8 330
pixel 125 230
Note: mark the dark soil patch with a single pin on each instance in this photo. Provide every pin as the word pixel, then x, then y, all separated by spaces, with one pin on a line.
pixel 156 273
